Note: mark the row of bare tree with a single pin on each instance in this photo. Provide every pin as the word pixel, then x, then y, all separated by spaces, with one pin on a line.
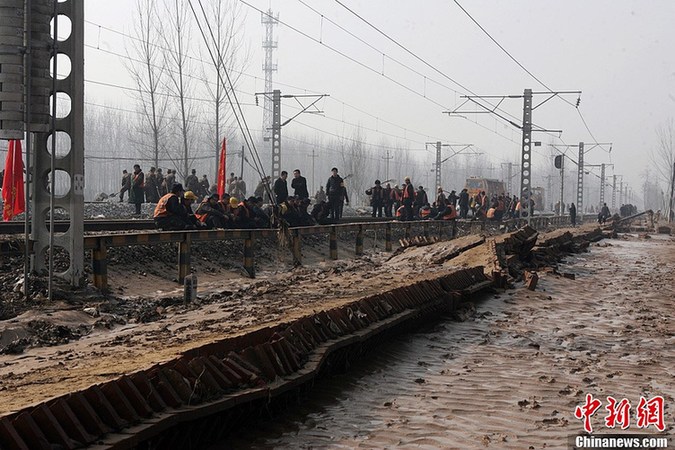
pixel 167 65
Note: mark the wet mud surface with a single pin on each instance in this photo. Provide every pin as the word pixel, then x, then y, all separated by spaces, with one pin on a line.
pixel 100 339
pixel 512 373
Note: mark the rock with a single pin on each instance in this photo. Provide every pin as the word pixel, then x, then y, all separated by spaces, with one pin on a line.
pixel 93 312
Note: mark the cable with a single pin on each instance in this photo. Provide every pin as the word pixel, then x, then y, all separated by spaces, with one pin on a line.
pixel 438 70
pixel 241 120
pixel 524 68
pixel 346 56
pixel 242 73
pixel 363 41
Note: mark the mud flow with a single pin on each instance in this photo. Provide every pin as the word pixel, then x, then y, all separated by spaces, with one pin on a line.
pixel 510 373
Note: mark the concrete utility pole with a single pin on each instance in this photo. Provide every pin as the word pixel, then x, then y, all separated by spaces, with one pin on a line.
pixel 602 184
pixel 561 210
pixel 613 192
pixel 621 202
pixel 510 178
pixel 549 191
pixel 269 45
pixel 580 182
pixel 439 162
pixel 439 181
pixel 387 158
pixel 313 155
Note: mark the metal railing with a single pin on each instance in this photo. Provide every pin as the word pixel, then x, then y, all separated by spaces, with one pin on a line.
pixel 99 244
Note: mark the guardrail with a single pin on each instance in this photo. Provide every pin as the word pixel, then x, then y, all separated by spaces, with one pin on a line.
pixel 99 244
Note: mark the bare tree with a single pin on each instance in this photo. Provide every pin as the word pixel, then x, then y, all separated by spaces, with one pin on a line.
pixel 109 149
pixel 663 156
pixel 354 163
pixel 225 20
pixel 175 35
pixel 144 66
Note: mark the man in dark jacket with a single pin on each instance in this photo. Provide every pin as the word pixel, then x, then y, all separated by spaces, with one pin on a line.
pixel 421 199
pixel 334 188
pixel 192 182
pixel 151 189
pixel 211 212
pixel 126 184
pixel 137 187
pixel 299 185
pixel 170 179
pixel 388 201
pixel 573 214
pixel 376 198
pixel 463 203
pixel 452 199
pixel 281 188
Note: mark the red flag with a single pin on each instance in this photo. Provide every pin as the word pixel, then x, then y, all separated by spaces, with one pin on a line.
pixel 12 184
pixel 221 169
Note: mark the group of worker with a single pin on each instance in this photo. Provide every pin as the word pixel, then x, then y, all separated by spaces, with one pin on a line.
pixel 154 185
pixel 174 211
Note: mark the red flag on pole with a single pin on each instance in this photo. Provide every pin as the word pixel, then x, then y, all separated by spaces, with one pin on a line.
pixel 221 169
pixel 12 185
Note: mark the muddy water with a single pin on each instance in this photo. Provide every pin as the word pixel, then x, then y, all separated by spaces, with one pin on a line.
pixel 511 376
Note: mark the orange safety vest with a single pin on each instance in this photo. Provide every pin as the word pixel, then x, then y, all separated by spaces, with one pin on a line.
pixel 450 215
pixel 491 213
pixel 160 209
pixel 424 213
pixel 399 212
pixel 406 192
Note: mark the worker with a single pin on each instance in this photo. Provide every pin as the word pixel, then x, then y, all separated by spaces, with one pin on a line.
pixel 408 197
pixel 447 213
pixel 170 214
pixel 189 198
pixel 211 213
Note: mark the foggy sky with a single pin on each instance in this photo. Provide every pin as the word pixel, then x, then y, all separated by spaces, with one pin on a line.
pixel 618 52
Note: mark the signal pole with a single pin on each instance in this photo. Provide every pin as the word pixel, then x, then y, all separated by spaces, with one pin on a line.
pixel 526 127
pixel 277 125
pixel 613 191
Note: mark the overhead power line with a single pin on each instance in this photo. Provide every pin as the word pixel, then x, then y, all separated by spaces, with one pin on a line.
pixel 362 111
pixel 523 67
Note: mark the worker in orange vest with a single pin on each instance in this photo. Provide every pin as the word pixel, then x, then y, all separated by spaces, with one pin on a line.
pixel 408 197
pixel 170 214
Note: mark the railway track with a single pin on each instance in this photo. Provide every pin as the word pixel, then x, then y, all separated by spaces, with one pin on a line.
pixel 96 225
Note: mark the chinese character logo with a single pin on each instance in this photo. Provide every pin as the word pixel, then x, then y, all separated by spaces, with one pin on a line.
pixel 650 412
pixel 586 410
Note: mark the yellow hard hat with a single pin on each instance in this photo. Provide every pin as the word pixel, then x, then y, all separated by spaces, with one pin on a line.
pixel 189 195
